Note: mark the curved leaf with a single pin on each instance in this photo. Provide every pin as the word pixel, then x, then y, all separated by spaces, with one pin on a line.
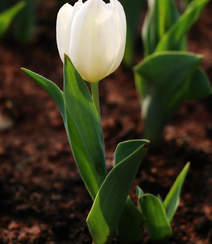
pixel 53 90
pixel 155 218
pixel 171 72
pixel 199 85
pixel 109 202
pixel 163 82
pixel 82 158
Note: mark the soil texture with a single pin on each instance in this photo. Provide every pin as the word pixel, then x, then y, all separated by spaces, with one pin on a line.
pixel 43 199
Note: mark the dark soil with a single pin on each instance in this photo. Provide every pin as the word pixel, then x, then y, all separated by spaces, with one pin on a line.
pixel 43 199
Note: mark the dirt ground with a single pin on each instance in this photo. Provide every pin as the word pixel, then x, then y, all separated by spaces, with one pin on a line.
pixel 43 199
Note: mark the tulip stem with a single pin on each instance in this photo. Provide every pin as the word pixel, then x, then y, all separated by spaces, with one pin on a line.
pixel 95 95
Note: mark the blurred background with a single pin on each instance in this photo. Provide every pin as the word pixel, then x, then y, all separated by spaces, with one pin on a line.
pixel 43 199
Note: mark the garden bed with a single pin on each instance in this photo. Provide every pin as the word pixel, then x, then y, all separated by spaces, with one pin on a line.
pixel 43 199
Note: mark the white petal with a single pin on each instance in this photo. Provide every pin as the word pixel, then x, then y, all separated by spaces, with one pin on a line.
pixel 120 21
pixel 65 12
pixel 76 7
pixel 94 40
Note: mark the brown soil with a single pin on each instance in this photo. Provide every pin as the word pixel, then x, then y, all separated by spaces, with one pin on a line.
pixel 43 199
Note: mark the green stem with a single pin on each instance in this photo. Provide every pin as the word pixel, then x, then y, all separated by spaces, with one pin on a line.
pixel 95 95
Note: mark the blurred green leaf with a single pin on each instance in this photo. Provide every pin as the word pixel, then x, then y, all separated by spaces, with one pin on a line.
pixel 133 10
pixel 173 37
pixel 199 85
pixel 160 17
pixel 25 22
pixel 172 199
pixel 109 202
pixel 155 218
pixel 7 16
pixel 83 113
pixel 185 2
pixel 169 71
pixel 130 226
pixel 162 80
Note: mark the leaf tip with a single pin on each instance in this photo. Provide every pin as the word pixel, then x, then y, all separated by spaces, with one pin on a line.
pixel 188 165
pixel 24 70
pixel 139 192
pixel 66 58
pixel 147 144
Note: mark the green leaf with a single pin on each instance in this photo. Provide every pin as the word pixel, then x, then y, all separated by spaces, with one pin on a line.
pixel 173 37
pixel 84 163
pixel 199 85
pixel 53 90
pixel 185 3
pixel 171 72
pixel 7 16
pixel 82 158
pixel 160 17
pixel 132 11
pixel 26 21
pixel 155 218
pixel 162 80
pixel 126 149
pixel 85 117
pixel 172 199
pixel 109 202
pixel 130 226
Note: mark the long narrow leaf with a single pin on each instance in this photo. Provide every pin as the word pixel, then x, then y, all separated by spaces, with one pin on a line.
pixel 172 38
pixel 132 11
pixel 82 158
pixel 109 202
pixel 53 90
pixel 85 117
pixel 160 17
pixel 172 199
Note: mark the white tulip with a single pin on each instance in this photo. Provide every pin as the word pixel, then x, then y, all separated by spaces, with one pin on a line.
pixel 93 35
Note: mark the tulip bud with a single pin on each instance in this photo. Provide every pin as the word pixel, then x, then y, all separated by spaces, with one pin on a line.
pixel 93 35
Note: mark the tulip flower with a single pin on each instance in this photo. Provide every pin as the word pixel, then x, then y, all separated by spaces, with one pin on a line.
pixel 93 35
